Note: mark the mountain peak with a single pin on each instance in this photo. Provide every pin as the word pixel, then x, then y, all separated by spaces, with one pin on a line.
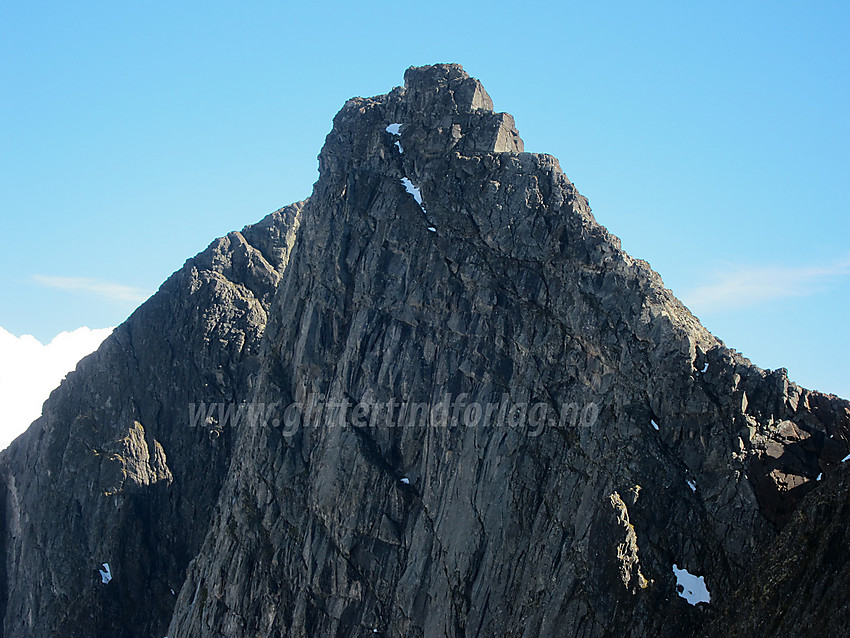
pixel 467 411
pixel 448 84
pixel 439 111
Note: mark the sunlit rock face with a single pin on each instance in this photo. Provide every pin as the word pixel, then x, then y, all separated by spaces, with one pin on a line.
pixel 477 416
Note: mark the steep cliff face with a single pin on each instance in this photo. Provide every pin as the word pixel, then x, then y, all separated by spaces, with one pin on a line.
pixel 113 473
pixel 440 263
pixel 480 417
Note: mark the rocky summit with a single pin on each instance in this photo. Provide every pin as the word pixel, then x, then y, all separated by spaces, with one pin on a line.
pixel 434 399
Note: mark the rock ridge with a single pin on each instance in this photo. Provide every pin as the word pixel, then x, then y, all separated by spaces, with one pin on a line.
pixel 112 472
pixel 468 266
pixel 435 258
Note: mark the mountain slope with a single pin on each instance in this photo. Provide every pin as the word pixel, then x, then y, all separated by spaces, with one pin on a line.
pixel 112 473
pixel 481 417
pixel 500 283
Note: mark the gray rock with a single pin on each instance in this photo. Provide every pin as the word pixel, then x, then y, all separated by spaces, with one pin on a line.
pixel 623 453
pixel 113 473
pixel 521 293
pixel 799 583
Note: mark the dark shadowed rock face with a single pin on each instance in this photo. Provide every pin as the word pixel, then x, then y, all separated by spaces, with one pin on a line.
pixel 435 261
pixel 799 584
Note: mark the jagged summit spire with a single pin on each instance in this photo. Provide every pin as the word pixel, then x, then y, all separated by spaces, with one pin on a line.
pixel 441 110
pixel 449 81
pixel 449 110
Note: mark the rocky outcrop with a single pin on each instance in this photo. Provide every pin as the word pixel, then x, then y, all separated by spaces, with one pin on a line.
pixel 799 584
pixel 481 417
pixel 461 266
pixel 113 473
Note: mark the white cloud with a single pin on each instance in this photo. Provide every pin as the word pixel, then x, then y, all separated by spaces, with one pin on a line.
pixel 30 370
pixel 117 292
pixel 743 286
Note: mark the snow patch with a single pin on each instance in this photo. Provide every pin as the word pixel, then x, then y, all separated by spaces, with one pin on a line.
pixel 105 573
pixel 692 485
pixel 405 480
pixel 654 424
pixel 820 476
pixel 846 458
pixel 398 144
pixel 413 190
pixel 705 367
pixel 693 588
pixel 394 128
pixel 432 229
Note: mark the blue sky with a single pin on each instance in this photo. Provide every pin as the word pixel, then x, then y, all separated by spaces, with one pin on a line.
pixel 711 137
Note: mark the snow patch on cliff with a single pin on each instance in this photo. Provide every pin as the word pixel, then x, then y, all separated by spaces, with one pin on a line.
pixel 691 588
